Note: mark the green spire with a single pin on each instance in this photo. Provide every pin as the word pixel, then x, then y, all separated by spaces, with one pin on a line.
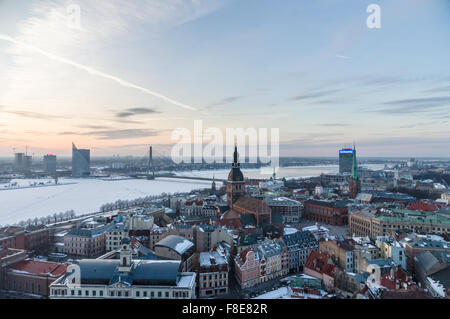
pixel 355 165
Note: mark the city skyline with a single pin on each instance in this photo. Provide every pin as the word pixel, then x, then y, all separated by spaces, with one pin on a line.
pixel 134 72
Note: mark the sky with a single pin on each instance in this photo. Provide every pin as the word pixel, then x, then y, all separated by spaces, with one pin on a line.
pixel 136 70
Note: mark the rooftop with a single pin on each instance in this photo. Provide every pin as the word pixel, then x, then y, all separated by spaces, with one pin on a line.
pixel 40 268
pixel 208 259
pixel 176 243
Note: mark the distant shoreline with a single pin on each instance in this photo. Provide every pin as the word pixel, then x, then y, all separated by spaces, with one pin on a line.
pixel 35 186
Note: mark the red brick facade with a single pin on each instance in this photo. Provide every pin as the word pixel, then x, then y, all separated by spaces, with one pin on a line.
pixel 326 212
pixel 33 276
pixel 31 238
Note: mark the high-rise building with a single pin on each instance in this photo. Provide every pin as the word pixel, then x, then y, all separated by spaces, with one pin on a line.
pixel 81 162
pixel 19 159
pixel 22 162
pixel 345 160
pixel 354 185
pixel 27 163
pixel 50 164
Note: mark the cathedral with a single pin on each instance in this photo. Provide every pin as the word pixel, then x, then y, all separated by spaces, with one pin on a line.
pixel 235 183
pixel 244 211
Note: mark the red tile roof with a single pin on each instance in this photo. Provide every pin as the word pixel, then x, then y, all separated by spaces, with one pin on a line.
pixel 243 254
pixel 233 217
pixel 197 203
pixel 40 268
pixel 425 206
pixel 400 277
pixel 319 262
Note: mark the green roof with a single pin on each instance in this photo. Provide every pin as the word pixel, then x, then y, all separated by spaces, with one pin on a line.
pixel 416 216
pixel 306 281
pixel 412 212
pixel 251 239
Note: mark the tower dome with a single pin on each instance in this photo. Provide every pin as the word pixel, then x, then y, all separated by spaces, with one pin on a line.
pixel 236 183
pixel 235 174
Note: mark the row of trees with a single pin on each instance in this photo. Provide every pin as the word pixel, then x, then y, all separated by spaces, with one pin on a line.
pixel 70 214
pixel 55 218
pixel 147 200
pixel 125 204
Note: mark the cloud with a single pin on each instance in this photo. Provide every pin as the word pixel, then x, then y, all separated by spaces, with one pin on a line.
pixel 123 134
pixel 28 114
pixel 46 32
pixel 116 134
pixel 395 146
pixel 343 57
pixel 95 72
pixel 313 95
pixel 333 124
pixel 381 80
pixel 95 127
pixel 415 105
pixel 439 89
pixel 137 111
pixel 227 100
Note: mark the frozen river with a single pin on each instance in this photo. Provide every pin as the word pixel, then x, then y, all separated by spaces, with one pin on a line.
pixel 81 195
pixel 87 195
pixel 288 172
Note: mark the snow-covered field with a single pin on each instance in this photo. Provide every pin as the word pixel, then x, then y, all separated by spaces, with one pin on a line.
pixel 82 195
pixel 23 183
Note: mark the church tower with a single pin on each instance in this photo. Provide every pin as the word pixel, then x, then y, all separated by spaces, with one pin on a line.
pixel 125 256
pixel 236 183
pixel 213 185
pixel 354 185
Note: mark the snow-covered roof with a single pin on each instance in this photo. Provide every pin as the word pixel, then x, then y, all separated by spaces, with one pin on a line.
pixel 290 231
pixel 437 287
pixel 177 243
pixel 211 258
